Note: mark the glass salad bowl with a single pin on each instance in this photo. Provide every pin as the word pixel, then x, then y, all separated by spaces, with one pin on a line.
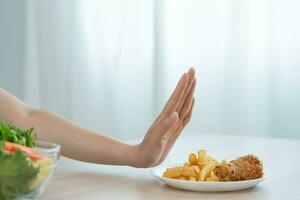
pixel 26 175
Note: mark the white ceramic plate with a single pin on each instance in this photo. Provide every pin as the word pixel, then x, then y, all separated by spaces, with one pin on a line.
pixel 206 186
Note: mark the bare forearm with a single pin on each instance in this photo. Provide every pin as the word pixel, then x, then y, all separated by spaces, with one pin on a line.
pixel 76 142
pixel 80 143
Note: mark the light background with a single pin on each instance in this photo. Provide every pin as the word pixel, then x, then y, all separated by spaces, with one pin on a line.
pixel 111 65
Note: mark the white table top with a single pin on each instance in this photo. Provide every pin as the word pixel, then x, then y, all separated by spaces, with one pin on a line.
pixel 78 180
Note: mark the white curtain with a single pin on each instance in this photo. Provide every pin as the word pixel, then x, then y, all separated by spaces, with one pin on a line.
pixel 247 54
pixel 91 61
pixel 110 65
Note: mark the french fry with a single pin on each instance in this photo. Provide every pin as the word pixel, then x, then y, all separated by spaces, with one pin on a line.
pixel 211 177
pixel 202 157
pixel 190 171
pixel 193 160
pixel 192 178
pixel 206 170
pixel 182 178
pixel 173 172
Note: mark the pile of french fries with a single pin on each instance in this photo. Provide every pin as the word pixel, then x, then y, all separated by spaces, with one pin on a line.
pixel 198 168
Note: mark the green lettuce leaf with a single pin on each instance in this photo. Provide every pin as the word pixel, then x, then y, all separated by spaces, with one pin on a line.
pixel 16 171
pixel 13 134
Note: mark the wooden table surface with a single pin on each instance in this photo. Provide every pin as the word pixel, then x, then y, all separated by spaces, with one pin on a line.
pixel 78 180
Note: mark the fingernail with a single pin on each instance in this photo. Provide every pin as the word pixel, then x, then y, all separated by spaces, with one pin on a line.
pixel 186 74
pixel 192 68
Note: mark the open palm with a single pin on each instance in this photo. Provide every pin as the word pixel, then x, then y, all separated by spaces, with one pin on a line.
pixel 163 133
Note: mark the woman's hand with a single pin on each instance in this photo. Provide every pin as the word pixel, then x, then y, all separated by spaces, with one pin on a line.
pixel 163 133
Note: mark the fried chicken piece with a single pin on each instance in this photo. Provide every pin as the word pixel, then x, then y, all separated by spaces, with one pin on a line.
pixel 243 168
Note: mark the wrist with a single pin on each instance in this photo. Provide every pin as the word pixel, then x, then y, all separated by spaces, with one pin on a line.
pixel 133 156
pixel 138 157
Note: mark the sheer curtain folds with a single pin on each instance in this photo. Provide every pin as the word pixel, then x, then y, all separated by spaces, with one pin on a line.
pixel 92 62
pixel 111 65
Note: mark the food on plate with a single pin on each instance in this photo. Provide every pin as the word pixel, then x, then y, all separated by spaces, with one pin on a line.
pixel 243 168
pixel 205 168
pixel 22 168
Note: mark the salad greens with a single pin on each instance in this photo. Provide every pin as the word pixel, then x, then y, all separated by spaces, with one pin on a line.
pixel 16 170
pixel 13 134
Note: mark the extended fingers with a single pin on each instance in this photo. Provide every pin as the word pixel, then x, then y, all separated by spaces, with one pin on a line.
pixel 177 98
pixel 188 101
pixel 191 74
pixel 177 95
pixel 173 101
pixel 188 117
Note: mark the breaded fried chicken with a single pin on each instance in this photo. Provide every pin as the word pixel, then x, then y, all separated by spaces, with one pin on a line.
pixel 243 168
